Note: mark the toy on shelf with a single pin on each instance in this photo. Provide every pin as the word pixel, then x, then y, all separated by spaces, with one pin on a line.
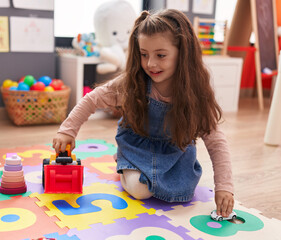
pixel 220 218
pixel 85 44
pixel 62 173
pixel 86 89
pixel 13 178
pixel 212 35
pixel 113 21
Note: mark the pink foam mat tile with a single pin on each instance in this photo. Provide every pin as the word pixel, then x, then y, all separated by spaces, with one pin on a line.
pixel 21 218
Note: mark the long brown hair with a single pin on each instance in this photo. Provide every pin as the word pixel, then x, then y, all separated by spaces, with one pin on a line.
pixel 194 111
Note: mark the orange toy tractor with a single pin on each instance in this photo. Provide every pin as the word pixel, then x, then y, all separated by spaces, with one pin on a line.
pixel 62 173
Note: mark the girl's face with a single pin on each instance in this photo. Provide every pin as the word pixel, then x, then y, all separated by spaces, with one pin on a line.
pixel 159 59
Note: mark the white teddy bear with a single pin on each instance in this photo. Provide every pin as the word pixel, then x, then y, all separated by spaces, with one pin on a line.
pixel 113 21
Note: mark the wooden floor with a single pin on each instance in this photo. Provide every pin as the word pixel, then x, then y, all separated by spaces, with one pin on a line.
pixel 256 166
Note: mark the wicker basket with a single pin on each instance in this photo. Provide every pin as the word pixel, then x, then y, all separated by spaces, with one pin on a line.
pixel 35 107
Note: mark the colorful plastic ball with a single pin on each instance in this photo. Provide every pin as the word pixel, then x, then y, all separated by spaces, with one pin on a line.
pixel 46 80
pixel 49 89
pixel 63 87
pixel 29 80
pixel 14 84
pixel 23 87
pixel 39 86
pixel 56 84
pixel 21 79
pixel 13 88
pixel 7 83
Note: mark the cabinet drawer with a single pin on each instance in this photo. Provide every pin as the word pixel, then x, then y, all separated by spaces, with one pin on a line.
pixel 224 74
pixel 227 98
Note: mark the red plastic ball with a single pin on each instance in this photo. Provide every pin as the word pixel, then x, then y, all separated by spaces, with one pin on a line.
pixel 21 79
pixel 39 86
pixel 56 84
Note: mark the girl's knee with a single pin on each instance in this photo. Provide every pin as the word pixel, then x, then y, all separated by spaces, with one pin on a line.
pixel 130 182
pixel 140 191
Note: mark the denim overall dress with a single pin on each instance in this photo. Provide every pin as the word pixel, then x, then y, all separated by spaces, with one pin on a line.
pixel 170 173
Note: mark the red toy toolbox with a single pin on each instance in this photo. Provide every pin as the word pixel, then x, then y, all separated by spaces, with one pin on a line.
pixel 63 178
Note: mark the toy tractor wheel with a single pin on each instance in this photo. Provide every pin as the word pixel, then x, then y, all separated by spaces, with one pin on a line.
pixel 45 162
pixel 79 163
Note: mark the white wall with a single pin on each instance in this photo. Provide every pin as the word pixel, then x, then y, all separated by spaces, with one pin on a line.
pixel 76 16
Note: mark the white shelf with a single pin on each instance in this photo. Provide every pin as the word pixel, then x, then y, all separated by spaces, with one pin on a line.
pixel 71 71
pixel 225 78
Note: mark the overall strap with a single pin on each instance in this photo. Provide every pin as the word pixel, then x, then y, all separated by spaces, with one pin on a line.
pixel 149 83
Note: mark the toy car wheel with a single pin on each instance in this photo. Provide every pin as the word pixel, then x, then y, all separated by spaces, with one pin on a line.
pixel 78 161
pixel 234 217
pixel 220 219
pixel 45 162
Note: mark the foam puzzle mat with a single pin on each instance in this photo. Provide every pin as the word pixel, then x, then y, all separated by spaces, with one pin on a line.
pixel 106 212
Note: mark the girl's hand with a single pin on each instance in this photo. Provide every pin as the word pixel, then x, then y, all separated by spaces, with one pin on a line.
pixel 225 202
pixel 61 140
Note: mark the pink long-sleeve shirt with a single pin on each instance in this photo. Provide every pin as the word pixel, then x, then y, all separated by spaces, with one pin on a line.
pixel 104 97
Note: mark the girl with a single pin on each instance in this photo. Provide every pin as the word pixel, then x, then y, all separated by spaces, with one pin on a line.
pixel 167 103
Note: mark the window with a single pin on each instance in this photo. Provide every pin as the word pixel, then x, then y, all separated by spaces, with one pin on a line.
pixel 76 16
pixel 225 10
